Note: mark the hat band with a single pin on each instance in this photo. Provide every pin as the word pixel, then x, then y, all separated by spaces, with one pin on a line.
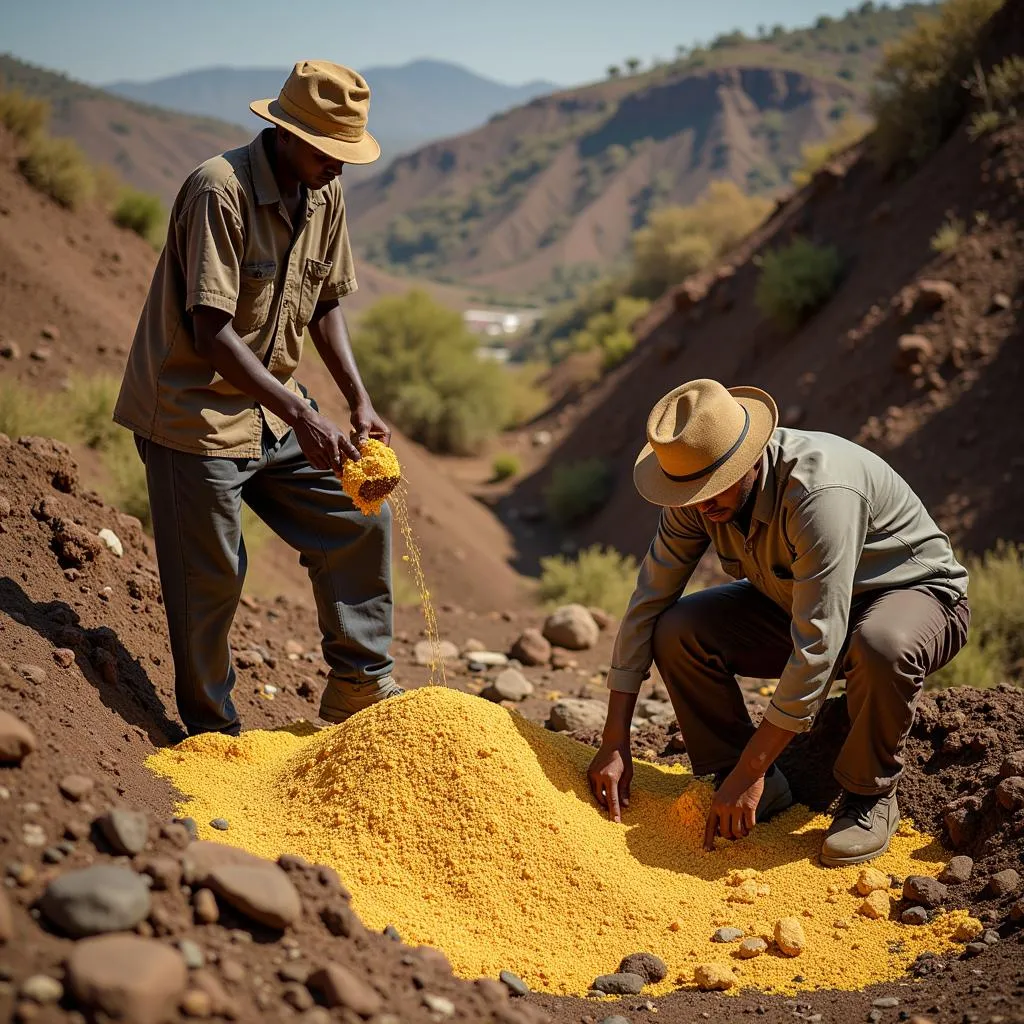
pixel 324 125
pixel 718 463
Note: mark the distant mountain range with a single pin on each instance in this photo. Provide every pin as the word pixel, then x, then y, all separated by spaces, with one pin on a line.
pixel 410 105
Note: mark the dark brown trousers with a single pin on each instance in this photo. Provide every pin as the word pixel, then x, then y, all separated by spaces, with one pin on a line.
pixel 896 638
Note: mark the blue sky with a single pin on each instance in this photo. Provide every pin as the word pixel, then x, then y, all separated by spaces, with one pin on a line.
pixel 565 41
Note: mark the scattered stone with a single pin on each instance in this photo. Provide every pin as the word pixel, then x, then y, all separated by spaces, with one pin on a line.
pixel 76 787
pixel 197 1003
pixel 53 855
pixel 714 977
pixel 425 652
pixel 650 967
pixel 42 989
pixel 515 985
pixel 911 351
pixel 439 1005
pixel 126 831
pixel 23 874
pixel 191 954
pixel 870 880
pixel 727 935
pixel 112 541
pixel 1013 764
pixel 927 891
pixel 789 936
pixel 33 834
pixel 510 685
pixel 191 827
pixel 990 936
pixel 341 920
pixel 623 984
pixel 232 970
pixel 392 933
pixel 914 916
pixel 749 948
pixel 10 350
pixel 127 978
pixel 571 627
pixel 488 659
pixel 297 996
pixel 263 892
pixel 205 905
pixel 572 714
pixel 885 1003
pixel 50 331
pixel 17 740
pixel 64 656
pixel 615 1019
pixel 876 906
pixel 101 898
pixel 220 824
pixel 338 986
pixel 248 659
pixel 531 648
pixel 562 659
pixel 973 949
pixel 1010 793
pixel 164 870
pixel 33 673
pixel 202 857
pixel 1004 883
pixel 957 871
pixel 1001 301
pixel 933 294
pixel 40 355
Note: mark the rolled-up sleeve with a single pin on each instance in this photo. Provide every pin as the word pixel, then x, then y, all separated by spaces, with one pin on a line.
pixel 666 569
pixel 826 531
pixel 212 241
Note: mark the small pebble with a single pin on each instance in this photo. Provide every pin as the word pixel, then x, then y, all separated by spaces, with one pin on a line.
pixel 221 824
pixel 439 1005
pixel 515 985
pixel 192 954
pixel 885 1003
pixel 914 916
pixel 392 933
pixel 973 949
pixel 42 989
pixel 197 1003
pixel 53 855
pixel 190 826
pixel 990 936
pixel 727 935
pixel 33 835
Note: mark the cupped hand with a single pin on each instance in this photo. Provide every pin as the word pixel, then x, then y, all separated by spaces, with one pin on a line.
pixel 733 808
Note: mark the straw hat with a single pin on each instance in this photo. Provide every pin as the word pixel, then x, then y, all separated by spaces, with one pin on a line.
pixel 326 105
pixel 702 439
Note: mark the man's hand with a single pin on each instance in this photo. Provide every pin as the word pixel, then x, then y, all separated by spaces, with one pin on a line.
pixel 321 441
pixel 610 775
pixel 733 808
pixel 366 423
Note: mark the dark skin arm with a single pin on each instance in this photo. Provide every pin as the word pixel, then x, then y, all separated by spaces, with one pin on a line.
pixel 321 441
pixel 611 771
pixel 330 336
pixel 734 805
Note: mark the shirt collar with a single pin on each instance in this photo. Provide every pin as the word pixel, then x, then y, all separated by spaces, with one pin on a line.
pixel 764 505
pixel 264 182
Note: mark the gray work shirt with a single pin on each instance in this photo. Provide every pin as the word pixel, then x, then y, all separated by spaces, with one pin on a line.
pixel 831 521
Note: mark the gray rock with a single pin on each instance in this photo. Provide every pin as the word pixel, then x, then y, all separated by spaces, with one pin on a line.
pixel 515 985
pixel 885 1003
pixel 914 916
pixel 424 652
pixel 220 824
pixel 973 949
pixel 488 659
pixel 650 967
pixel 53 855
pixel 572 714
pixel 571 627
pixel 76 787
pixel 90 901
pixel 339 986
pixel 190 825
pixel 990 936
pixel 126 831
pixel 727 935
pixel 510 685
pixel 42 989
pixel 263 892
pixel 619 984
pixel 957 871
pixel 191 954
pixel 392 933
pixel 1003 883
pixel 615 1019
pixel 925 890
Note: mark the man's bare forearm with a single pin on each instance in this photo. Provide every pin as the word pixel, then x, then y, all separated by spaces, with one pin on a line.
pixel 217 342
pixel 329 332
pixel 619 718
pixel 763 748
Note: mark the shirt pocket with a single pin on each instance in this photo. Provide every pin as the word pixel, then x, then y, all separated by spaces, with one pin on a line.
pixel 732 567
pixel 313 278
pixel 255 295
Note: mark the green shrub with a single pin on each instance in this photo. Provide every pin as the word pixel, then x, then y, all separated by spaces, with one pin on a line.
pixel 796 280
pixel 505 465
pixel 23 116
pixel 995 647
pixel 524 396
pixel 948 235
pixel 611 330
pixel 420 364
pixel 597 576
pixel 59 169
pixel 142 213
pixel 816 155
pixel 919 95
pixel 983 122
pixel 576 490
pixel 1006 82
pixel 678 241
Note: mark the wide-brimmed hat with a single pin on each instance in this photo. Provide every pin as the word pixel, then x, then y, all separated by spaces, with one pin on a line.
pixel 326 105
pixel 702 438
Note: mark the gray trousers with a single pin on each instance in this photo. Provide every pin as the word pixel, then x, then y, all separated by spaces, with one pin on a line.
pixel 196 503
pixel 895 639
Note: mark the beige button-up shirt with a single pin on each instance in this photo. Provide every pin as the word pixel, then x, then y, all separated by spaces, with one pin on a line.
pixel 831 521
pixel 231 245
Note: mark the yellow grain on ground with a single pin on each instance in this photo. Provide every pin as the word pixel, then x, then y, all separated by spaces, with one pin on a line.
pixel 471 829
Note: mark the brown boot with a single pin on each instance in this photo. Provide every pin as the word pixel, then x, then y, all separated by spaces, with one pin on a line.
pixel 861 829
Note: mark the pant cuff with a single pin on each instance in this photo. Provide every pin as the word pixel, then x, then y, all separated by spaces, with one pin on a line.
pixel 865 789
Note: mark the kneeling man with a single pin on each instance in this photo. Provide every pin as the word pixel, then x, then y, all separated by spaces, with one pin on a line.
pixel 837 568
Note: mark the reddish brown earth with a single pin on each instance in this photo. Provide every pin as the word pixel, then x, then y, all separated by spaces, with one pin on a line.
pixel 949 425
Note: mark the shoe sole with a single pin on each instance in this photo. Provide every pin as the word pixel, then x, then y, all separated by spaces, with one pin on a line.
pixel 845 862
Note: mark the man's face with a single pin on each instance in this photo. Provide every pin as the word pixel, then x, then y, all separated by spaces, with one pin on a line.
pixel 723 507
pixel 313 168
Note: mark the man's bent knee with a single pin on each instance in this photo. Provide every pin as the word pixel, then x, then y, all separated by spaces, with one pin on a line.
pixel 677 623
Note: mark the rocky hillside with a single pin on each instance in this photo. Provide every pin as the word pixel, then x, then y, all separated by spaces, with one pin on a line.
pixel 553 190
pixel 917 354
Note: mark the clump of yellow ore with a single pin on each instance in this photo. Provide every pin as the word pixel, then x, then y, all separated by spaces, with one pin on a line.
pixel 472 830
pixel 369 480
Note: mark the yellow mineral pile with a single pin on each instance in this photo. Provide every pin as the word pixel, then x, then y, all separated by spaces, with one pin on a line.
pixel 369 481
pixel 470 829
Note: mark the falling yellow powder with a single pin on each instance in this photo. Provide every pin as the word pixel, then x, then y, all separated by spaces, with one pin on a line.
pixel 372 478
pixel 471 829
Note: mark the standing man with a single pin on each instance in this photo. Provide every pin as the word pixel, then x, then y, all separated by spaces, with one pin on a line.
pixel 837 568
pixel 257 253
